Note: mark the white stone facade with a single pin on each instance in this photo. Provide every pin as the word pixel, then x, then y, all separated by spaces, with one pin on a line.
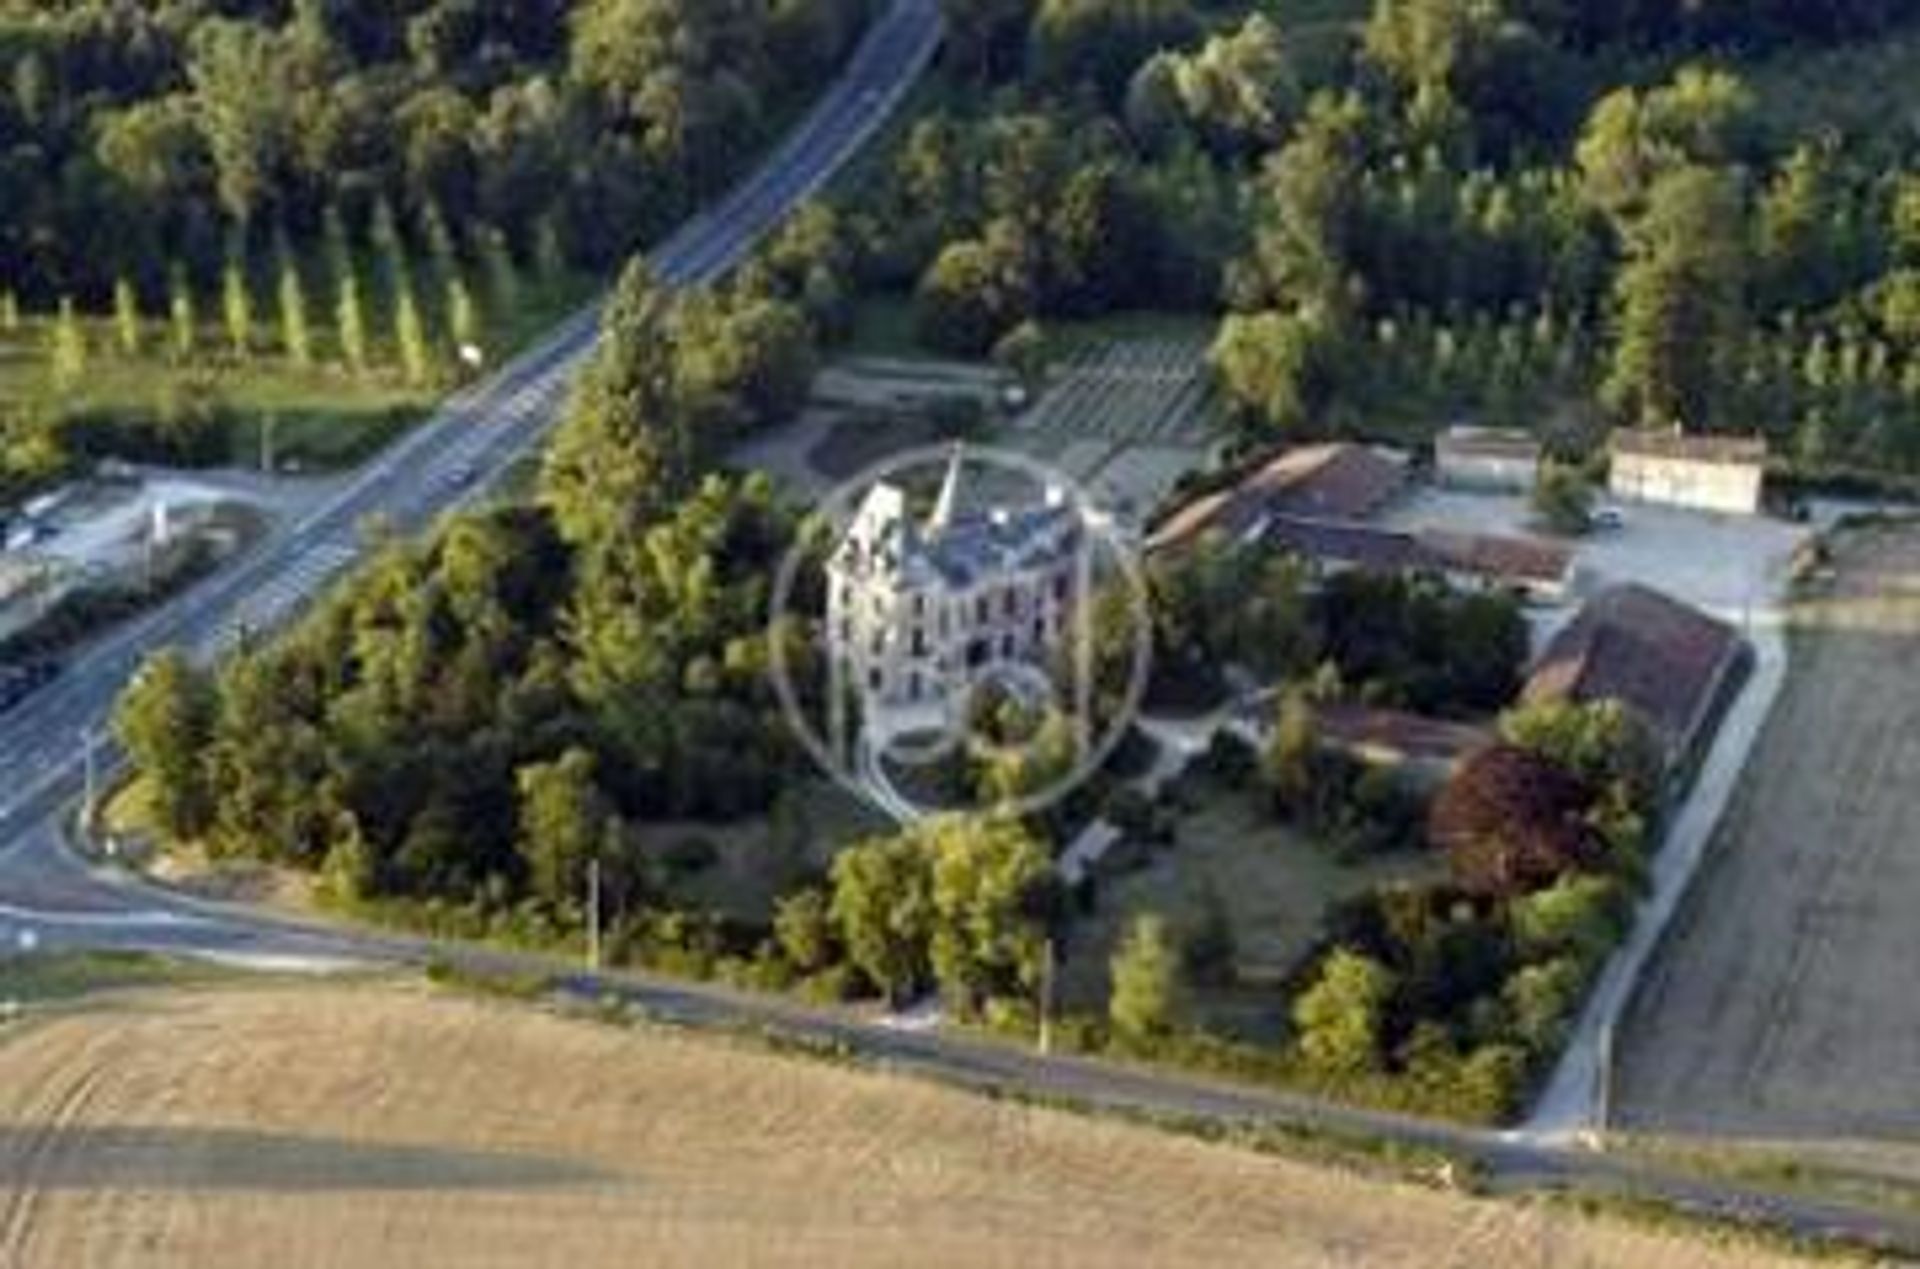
pixel 918 610
pixel 1719 474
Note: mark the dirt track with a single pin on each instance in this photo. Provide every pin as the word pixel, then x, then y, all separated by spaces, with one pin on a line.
pixel 1787 1001
pixel 371 1126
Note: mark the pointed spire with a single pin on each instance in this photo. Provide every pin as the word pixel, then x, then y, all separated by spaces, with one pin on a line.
pixel 948 504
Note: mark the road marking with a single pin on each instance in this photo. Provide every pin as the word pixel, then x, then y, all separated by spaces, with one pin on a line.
pixel 101 920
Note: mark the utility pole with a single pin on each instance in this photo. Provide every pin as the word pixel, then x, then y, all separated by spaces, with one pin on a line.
pixel 1045 1044
pixel 87 803
pixel 593 915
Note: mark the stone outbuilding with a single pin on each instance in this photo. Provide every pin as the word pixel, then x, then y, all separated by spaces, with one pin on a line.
pixel 1487 460
pixel 1723 474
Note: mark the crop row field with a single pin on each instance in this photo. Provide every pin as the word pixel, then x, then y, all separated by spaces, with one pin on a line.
pixel 1782 1007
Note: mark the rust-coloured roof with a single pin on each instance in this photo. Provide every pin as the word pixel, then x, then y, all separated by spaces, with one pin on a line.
pixel 1512 560
pixel 1654 654
pixel 1414 737
pixel 1508 558
pixel 1336 480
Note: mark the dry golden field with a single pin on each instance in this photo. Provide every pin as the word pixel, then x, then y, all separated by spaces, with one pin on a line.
pixel 370 1125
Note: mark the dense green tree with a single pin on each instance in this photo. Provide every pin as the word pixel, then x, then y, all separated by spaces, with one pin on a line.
pixel 1291 765
pixel 244 105
pixel 615 461
pixel 164 721
pixel 990 884
pixel 1436 51
pixel 1145 970
pixel 1680 299
pixel 884 913
pixel 564 825
pixel 973 293
pixel 1633 138
pixel 1340 1021
pixel 803 929
pixel 1103 42
pixel 1563 499
pixel 1238 92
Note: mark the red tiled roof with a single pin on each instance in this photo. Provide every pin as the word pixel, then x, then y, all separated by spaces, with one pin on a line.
pixel 1512 560
pixel 1335 480
pixel 1516 559
pixel 1659 657
pixel 1362 546
pixel 1412 736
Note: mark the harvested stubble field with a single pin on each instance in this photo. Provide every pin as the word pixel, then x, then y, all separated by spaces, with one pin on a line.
pixel 369 1125
pixel 1783 1006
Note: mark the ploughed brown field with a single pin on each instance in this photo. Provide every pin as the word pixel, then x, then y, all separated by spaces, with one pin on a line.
pixel 1784 1007
pixel 366 1126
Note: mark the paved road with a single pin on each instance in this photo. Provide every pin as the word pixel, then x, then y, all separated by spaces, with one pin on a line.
pixel 468 443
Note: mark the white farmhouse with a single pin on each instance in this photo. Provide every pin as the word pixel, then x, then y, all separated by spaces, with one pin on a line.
pixel 1706 473
pixel 919 610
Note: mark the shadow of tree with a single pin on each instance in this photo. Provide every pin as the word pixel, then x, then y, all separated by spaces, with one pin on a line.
pixel 138 1157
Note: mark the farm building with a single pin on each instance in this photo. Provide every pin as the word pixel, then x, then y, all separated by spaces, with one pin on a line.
pixel 1425 750
pixel 1494 460
pixel 1333 481
pixel 1540 572
pixel 1674 666
pixel 1707 473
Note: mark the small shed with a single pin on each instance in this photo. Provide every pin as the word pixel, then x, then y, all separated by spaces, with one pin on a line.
pixel 1492 460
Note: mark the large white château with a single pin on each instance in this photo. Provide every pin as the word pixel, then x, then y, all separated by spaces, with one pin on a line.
pixel 920 610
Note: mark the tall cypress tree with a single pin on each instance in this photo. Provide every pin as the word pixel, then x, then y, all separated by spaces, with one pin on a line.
pixel 236 297
pixel 180 313
pixel 296 333
pixel 126 316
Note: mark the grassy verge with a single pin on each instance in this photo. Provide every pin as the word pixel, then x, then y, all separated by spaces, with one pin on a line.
pixel 51 977
pixel 1778 1170
pixel 215 409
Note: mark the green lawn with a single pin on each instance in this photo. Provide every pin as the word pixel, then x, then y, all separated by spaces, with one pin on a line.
pixel 46 977
pixel 1064 338
pixel 754 861
pixel 323 417
pixel 883 327
pixel 1275 885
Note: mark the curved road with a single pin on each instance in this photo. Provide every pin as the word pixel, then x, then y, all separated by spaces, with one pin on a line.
pixel 51 900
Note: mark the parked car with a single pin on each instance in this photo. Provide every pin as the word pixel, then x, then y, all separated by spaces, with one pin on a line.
pixel 1609 517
